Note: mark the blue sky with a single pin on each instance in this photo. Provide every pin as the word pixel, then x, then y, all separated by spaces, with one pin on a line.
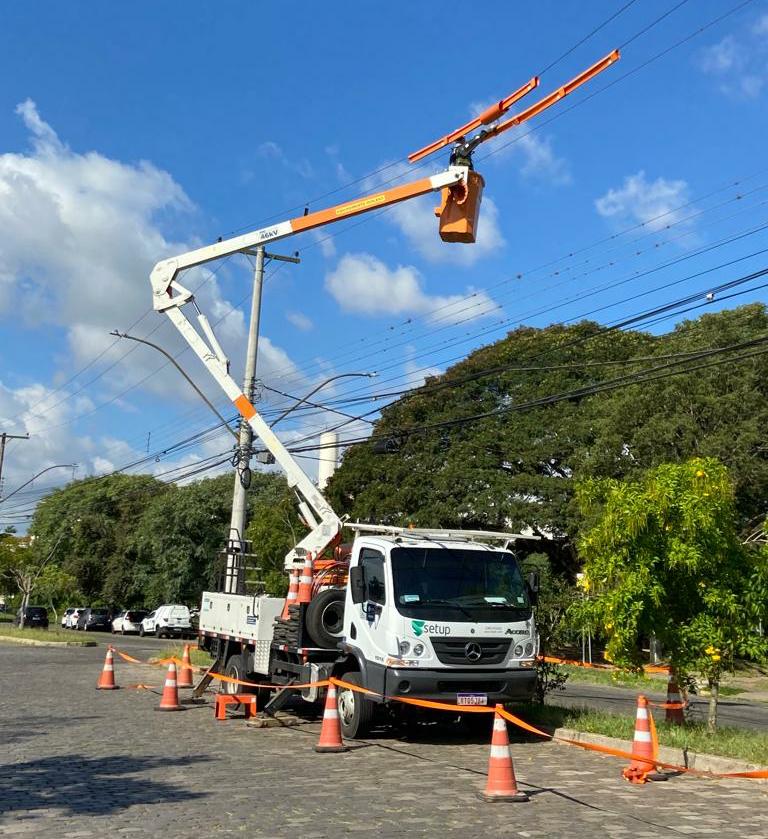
pixel 132 132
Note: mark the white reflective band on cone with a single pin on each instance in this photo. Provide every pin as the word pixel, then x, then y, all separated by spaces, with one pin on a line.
pixel 643 736
pixel 499 751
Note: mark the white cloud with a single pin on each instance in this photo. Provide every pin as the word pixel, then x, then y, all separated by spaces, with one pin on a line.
pixel 651 203
pixel 299 320
pixel 270 150
pixel 364 284
pixel 739 63
pixel 324 239
pixel 720 57
pixel 415 375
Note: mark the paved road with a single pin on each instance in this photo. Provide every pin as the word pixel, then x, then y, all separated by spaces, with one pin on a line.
pixel 76 762
pixel 731 711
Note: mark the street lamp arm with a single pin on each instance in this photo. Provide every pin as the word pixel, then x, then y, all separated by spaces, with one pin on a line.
pixel 27 483
pixel 312 392
pixel 183 373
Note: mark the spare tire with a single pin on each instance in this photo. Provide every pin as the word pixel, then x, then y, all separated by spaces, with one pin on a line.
pixel 325 617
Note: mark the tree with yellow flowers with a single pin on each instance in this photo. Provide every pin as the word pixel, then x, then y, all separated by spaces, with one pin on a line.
pixel 662 554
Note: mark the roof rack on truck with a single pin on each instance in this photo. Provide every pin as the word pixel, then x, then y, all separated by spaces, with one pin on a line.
pixel 448 535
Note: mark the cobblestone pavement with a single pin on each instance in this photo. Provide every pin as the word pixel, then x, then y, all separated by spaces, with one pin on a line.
pixel 76 762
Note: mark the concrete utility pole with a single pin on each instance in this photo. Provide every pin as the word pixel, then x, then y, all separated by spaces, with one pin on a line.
pixel 3 438
pixel 235 573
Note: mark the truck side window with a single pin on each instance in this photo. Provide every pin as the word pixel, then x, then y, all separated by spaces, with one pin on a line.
pixel 373 564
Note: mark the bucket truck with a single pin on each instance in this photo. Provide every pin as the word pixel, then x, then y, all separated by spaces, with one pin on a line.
pixel 425 613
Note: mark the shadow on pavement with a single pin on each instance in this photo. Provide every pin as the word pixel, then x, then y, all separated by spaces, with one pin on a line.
pixel 14 732
pixel 97 786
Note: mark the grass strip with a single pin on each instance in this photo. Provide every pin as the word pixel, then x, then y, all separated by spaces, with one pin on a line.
pixel 744 744
pixel 199 658
pixel 42 634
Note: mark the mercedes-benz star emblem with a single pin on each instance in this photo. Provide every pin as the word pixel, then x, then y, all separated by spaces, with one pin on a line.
pixel 472 651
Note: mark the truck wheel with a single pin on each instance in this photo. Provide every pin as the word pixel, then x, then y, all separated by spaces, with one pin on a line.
pixel 235 669
pixel 355 711
pixel 141 630
pixel 325 617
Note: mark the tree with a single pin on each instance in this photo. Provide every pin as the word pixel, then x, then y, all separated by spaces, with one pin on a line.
pixel 518 467
pixel 24 562
pixel 662 554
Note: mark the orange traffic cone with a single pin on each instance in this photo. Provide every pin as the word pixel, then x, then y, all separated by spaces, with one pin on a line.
pixel 674 714
pixel 185 673
pixel 169 701
pixel 293 594
pixel 501 785
pixel 643 766
pixel 107 677
pixel 305 581
pixel 330 733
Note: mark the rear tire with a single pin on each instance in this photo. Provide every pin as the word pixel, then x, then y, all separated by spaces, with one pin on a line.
pixel 235 669
pixel 325 618
pixel 141 631
pixel 355 710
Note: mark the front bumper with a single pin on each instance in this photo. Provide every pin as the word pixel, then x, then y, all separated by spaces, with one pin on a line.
pixel 443 685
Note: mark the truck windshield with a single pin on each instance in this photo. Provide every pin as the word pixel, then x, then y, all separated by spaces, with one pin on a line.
pixel 458 584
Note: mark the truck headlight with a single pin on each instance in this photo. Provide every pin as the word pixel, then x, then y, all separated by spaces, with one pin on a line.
pixel 518 651
pixel 404 647
pixel 418 649
pixel 529 649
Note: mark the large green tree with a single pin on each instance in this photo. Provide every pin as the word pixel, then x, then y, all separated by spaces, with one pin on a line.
pixel 662 555
pixel 517 467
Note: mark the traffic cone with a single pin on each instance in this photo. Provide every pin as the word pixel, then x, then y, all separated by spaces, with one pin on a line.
pixel 330 733
pixel 293 594
pixel 501 785
pixel 107 677
pixel 169 701
pixel 643 766
pixel 305 581
pixel 674 715
pixel 185 673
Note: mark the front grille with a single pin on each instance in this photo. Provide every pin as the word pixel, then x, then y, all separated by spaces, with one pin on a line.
pixel 492 650
pixel 473 686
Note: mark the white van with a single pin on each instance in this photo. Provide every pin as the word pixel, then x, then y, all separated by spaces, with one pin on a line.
pixel 171 620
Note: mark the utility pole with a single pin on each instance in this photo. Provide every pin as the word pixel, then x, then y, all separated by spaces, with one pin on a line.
pixel 3 438
pixel 234 579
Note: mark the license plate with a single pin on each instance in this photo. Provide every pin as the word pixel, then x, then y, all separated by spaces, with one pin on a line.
pixel 471 698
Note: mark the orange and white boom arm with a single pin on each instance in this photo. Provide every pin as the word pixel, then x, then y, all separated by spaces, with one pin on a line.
pixel 170 296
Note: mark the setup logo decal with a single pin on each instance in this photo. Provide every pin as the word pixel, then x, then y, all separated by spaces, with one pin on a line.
pixel 424 628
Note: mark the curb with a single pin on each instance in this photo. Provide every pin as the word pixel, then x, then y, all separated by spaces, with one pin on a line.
pixel 31 642
pixel 668 754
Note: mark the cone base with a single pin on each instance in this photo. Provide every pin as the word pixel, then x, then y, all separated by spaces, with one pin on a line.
pixel 326 749
pixel 512 796
pixel 171 709
pixel 107 687
pixel 657 776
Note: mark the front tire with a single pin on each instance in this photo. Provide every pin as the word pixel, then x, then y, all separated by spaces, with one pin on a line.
pixel 141 632
pixel 355 710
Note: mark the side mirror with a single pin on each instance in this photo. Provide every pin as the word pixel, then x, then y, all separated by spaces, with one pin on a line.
pixel 357 583
pixel 533 587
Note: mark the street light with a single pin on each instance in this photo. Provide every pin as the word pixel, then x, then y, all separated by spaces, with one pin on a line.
pixel 305 399
pixel 58 466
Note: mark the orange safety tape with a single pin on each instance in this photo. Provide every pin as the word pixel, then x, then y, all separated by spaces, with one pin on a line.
pixel 231 680
pixel 669 706
pixel 608 750
pixel 550 659
pixel 129 658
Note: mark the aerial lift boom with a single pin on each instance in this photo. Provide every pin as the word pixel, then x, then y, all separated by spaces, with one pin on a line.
pixel 461 189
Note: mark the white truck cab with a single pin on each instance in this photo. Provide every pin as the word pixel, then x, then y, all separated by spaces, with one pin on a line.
pixel 437 617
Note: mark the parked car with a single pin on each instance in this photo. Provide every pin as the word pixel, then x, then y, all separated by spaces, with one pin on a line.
pixel 170 620
pixel 34 616
pixel 73 617
pixel 97 617
pixel 129 621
